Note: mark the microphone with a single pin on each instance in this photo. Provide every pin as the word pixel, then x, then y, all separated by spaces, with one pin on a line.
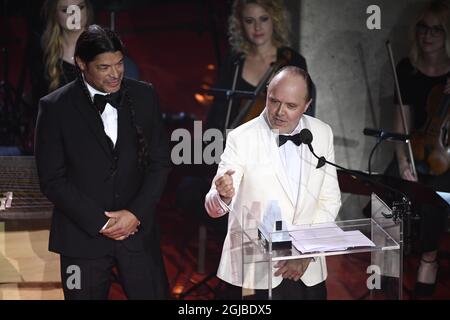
pixel 384 135
pixel 306 138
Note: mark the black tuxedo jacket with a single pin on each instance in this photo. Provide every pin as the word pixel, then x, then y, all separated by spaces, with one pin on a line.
pixel 84 176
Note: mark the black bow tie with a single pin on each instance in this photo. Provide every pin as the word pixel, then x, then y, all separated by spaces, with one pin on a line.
pixel 113 99
pixel 282 139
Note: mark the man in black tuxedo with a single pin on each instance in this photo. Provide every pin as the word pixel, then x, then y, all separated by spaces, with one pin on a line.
pixel 102 158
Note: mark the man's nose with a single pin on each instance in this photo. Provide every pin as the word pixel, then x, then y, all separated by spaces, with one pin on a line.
pixel 115 72
pixel 280 109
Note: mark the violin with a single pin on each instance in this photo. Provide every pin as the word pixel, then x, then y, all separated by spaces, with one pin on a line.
pixel 252 108
pixel 430 144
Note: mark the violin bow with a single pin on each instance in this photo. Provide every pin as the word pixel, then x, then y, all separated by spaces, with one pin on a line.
pixel 402 111
pixel 230 101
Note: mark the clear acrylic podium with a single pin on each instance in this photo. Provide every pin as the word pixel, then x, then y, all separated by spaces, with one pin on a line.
pixel 382 267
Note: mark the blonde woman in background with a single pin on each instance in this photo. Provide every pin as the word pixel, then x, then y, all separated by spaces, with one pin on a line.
pixel 258 33
pixel 53 64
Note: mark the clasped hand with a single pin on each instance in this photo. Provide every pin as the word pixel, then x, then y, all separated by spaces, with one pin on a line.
pixel 292 269
pixel 121 225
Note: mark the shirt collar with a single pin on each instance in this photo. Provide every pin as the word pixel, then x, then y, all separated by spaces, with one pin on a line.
pixel 297 129
pixel 92 90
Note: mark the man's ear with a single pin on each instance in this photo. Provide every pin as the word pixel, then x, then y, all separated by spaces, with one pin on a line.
pixel 308 104
pixel 80 63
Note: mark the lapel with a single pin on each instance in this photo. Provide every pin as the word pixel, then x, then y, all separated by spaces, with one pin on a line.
pixel 272 149
pixel 92 118
pixel 307 167
pixel 124 127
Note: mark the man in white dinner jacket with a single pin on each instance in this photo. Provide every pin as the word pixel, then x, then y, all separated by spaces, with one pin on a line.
pixel 263 162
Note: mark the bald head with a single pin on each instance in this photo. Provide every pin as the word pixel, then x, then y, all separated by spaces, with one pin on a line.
pixel 287 99
pixel 293 71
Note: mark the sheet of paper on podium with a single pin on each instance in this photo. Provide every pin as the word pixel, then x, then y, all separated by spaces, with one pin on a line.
pixel 326 237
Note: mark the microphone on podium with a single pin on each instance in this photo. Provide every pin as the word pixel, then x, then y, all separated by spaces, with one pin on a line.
pixel 306 137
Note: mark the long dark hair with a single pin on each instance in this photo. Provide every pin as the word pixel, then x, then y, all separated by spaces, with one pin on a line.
pixel 97 40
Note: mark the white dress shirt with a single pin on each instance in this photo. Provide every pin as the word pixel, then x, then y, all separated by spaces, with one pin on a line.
pixel 109 115
pixel 290 155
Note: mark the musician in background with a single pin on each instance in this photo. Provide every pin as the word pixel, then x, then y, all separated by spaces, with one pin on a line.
pixel 50 56
pixel 428 65
pixel 258 35
pixel 53 62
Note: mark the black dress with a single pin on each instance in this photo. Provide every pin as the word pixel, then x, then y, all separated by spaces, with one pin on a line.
pixel 415 88
pixel 39 81
pixel 217 114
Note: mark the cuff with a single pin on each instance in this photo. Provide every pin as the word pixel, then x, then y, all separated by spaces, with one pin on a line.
pixel 224 208
pixel 105 225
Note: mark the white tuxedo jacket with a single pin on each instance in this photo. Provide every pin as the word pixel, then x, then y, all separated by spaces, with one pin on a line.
pixel 259 178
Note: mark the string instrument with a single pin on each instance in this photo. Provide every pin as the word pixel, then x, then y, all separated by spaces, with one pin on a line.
pixel 253 107
pixel 431 143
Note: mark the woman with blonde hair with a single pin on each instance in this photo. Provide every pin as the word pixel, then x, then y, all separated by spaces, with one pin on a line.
pixel 53 65
pixel 60 37
pixel 259 37
pixel 427 67
pixel 50 54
